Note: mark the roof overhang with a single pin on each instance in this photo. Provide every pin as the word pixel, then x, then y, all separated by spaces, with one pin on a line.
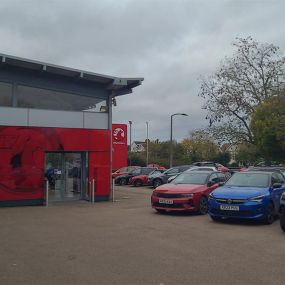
pixel 116 85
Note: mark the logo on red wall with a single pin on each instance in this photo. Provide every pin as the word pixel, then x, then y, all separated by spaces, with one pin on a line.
pixel 119 136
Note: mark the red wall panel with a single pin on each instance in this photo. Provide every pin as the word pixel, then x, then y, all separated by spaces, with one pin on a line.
pixel 22 154
pixel 120 146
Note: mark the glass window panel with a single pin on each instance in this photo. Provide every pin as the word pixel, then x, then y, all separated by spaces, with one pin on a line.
pixel 5 94
pixel 30 97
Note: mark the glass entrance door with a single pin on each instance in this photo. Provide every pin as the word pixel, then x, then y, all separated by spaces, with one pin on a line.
pixel 64 172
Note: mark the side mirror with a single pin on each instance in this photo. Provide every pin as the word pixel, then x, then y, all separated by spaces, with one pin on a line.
pixel 221 183
pixel 276 185
pixel 210 183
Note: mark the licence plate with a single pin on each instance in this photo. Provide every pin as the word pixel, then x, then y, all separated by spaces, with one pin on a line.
pixel 163 201
pixel 229 208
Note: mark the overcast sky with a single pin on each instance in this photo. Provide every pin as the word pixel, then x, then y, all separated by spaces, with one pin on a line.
pixel 171 43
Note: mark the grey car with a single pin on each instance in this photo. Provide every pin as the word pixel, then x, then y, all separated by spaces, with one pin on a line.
pixel 157 179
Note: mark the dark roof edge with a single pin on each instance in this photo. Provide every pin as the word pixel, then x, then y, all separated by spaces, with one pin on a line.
pixel 116 85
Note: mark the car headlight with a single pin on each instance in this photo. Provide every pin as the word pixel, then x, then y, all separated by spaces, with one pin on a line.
pixel 257 198
pixel 154 194
pixel 187 195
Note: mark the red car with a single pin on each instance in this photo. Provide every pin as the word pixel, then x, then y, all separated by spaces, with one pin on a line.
pixel 141 180
pixel 160 167
pixel 189 191
pixel 124 170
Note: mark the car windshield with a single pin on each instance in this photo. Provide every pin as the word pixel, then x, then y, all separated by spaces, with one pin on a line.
pixel 246 179
pixel 136 171
pixel 155 172
pixel 191 178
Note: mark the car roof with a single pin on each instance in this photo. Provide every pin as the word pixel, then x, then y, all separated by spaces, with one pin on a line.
pixel 264 168
pixel 149 167
pixel 257 172
pixel 202 171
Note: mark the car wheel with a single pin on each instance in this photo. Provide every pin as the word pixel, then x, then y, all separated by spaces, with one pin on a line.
pixel 160 211
pixel 216 219
pixel 138 183
pixel 203 205
pixel 282 219
pixel 123 181
pixel 269 214
pixel 156 183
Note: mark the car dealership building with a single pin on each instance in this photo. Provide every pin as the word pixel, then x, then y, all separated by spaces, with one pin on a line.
pixel 55 125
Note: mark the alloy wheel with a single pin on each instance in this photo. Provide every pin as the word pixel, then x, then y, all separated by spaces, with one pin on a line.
pixel 156 183
pixel 138 183
pixel 269 215
pixel 203 205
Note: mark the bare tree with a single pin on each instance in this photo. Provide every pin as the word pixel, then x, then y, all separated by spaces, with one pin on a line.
pixel 242 83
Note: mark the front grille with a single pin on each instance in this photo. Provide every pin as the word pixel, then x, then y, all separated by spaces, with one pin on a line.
pixel 164 195
pixel 230 201
pixel 231 213
pixel 180 206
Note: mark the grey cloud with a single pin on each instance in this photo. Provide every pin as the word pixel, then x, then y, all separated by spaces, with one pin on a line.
pixel 170 43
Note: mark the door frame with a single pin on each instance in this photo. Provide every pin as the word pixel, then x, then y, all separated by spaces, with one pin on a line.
pixel 84 170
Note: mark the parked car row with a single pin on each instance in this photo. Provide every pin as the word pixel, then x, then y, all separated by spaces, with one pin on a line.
pixel 249 195
pixel 254 193
pixel 155 176
pixel 137 176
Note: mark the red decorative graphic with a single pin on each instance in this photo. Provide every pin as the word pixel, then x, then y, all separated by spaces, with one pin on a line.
pixel 22 155
pixel 120 146
pixel 119 135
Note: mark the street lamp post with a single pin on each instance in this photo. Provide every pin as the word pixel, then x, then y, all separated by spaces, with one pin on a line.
pixel 171 140
pixel 130 158
pixel 146 143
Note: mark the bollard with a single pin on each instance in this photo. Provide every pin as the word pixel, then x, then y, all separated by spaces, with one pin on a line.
pixel 47 186
pixel 113 191
pixel 93 191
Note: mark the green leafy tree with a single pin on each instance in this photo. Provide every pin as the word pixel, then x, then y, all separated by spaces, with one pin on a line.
pixel 242 83
pixel 247 154
pixel 223 157
pixel 200 146
pixel 268 127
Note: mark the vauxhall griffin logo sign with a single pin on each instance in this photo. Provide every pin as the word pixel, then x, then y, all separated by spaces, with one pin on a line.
pixel 119 136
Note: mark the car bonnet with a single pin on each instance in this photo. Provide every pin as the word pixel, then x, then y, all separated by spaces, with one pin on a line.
pixel 235 192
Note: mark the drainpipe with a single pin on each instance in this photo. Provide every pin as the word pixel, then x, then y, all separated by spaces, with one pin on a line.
pixel 110 118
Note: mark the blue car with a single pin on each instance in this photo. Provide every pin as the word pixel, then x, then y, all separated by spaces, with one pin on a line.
pixel 248 195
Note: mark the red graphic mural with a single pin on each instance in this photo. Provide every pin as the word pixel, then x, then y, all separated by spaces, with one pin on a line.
pixel 120 146
pixel 22 155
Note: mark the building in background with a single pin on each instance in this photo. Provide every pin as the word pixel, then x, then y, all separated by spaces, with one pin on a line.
pixel 138 146
pixel 55 124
